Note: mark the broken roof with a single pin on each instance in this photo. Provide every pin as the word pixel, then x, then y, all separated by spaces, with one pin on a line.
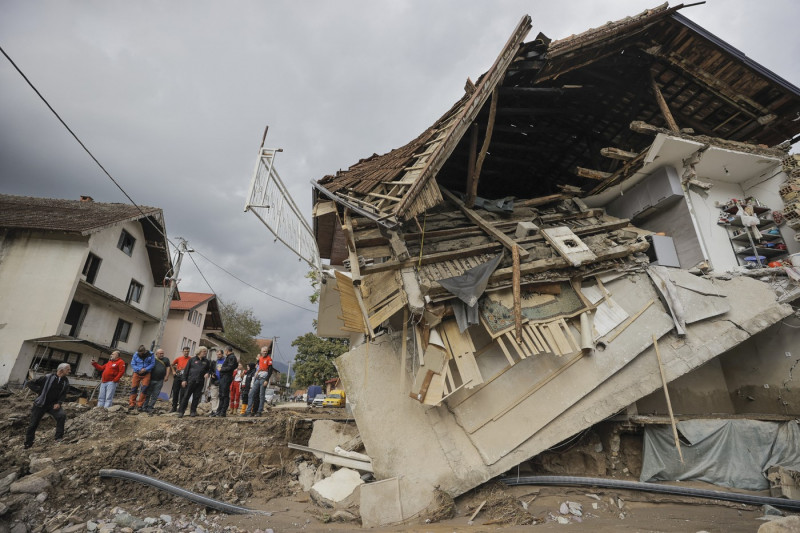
pixel 85 217
pixel 546 109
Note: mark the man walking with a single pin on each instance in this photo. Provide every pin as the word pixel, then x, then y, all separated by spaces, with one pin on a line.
pixel 229 366
pixel 112 370
pixel 161 372
pixel 141 363
pixel 178 366
pixel 194 375
pixel 53 393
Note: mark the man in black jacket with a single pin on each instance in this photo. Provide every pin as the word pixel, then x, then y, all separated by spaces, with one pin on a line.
pixel 226 371
pixel 194 375
pixel 54 389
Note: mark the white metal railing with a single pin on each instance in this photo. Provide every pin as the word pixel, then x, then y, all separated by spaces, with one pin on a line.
pixel 272 204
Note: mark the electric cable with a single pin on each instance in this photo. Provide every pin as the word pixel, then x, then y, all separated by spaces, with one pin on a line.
pixel 107 173
pixel 251 286
pixel 572 481
pixel 224 507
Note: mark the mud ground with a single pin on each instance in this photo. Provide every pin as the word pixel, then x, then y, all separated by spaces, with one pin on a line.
pixel 246 461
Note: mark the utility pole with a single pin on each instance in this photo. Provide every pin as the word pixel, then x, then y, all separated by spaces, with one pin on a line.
pixel 173 282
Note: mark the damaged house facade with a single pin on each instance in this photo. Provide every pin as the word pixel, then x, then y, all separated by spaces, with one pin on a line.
pixel 595 218
pixel 78 279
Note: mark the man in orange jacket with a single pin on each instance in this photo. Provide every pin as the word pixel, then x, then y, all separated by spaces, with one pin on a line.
pixel 112 371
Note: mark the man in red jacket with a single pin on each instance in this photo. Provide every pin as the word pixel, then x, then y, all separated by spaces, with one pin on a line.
pixel 112 371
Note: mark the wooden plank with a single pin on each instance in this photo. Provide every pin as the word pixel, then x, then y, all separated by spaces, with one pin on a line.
pixel 403 350
pixel 547 335
pixel 662 104
pixel 569 336
pixel 423 390
pixel 560 338
pixel 516 292
pixel 435 392
pixel 628 322
pixel 537 335
pixel 386 312
pixel 517 347
pixel 529 342
pixel 352 253
pixel 617 153
pixel 505 351
pixel 528 332
pixel 484 224
pixel 666 395
pixel 591 174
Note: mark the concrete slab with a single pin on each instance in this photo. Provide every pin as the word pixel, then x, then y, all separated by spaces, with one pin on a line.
pixel 340 490
pixel 380 503
pixel 430 447
pixel 327 435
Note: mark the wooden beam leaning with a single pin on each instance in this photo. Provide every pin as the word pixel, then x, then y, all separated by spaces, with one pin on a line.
pixel 476 174
pixel 484 224
pixel 591 174
pixel 347 228
pixel 666 395
pixel 662 104
pixel 617 153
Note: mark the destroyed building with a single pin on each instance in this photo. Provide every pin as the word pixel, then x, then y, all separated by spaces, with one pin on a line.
pixel 563 242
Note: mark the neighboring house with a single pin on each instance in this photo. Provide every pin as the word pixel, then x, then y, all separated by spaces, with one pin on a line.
pixel 78 279
pixel 192 314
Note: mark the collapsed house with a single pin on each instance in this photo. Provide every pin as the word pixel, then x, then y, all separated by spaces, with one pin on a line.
pixel 585 225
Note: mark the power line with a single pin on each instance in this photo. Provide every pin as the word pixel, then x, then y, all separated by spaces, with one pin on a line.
pixel 131 199
pixel 253 286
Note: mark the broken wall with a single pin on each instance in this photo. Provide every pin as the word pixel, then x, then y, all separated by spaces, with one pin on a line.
pixel 763 373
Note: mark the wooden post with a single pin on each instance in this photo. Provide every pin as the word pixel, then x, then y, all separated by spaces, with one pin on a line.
pixel 662 104
pixel 669 403
pixel 473 149
pixel 515 276
pixel 472 193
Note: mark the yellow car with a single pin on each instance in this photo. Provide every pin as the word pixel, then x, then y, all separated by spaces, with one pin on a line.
pixel 336 398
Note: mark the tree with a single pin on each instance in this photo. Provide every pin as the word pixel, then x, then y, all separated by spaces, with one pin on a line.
pixel 240 326
pixel 314 360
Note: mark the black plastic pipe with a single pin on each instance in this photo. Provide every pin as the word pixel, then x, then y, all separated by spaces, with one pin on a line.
pixel 178 491
pixel 793 505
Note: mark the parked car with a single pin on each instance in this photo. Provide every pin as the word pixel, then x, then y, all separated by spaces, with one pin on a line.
pixel 317 401
pixel 336 398
pixel 312 393
pixel 270 397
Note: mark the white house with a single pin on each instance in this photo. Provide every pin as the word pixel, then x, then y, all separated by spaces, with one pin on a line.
pixel 189 317
pixel 78 279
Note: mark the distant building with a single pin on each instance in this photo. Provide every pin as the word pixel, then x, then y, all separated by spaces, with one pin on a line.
pixel 190 317
pixel 78 279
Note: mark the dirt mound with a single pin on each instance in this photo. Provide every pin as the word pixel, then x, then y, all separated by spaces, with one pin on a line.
pixel 230 459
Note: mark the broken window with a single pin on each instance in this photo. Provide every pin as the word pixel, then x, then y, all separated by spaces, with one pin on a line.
pixel 126 242
pixel 134 292
pixel 121 332
pixel 90 267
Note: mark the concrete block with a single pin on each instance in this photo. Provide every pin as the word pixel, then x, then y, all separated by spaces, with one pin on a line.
pixel 339 491
pixel 306 476
pixel 380 503
pixel 525 229
pixel 327 435
pixel 787 524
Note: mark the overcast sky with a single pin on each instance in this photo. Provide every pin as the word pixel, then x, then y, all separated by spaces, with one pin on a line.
pixel 172 97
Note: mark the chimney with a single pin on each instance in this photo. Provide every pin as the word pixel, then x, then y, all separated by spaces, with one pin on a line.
pixel 87 199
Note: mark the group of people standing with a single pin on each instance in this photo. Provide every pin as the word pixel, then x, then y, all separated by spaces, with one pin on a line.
pixel 230 385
